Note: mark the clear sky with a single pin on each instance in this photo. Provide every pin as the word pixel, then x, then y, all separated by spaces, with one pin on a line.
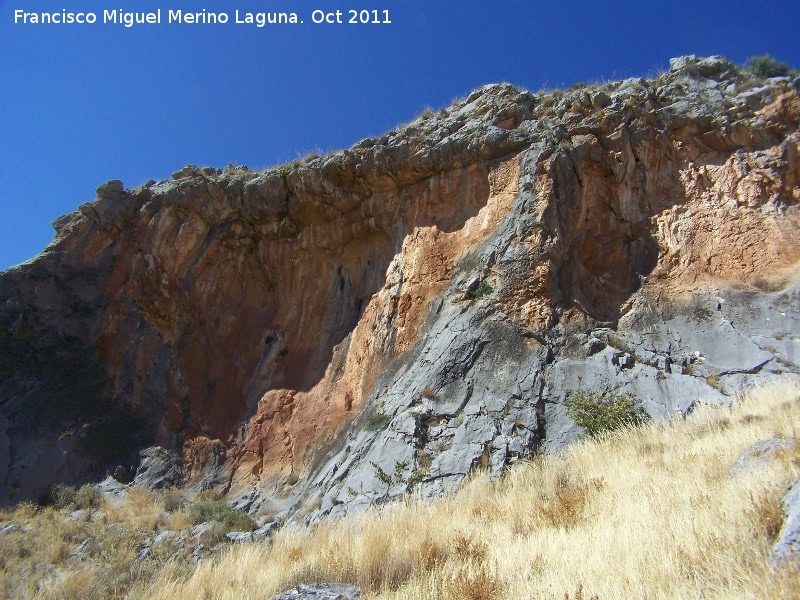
pixel 82 104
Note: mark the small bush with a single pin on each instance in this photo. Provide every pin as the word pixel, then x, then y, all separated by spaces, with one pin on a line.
pixel 219 511
pixel 483 289
pixel 283 171
pixel 565 508
pixel 597 411
pixel 63 496
pixel 173 500
pixel 466 547
pixel 88 496
pixel 475 584
pixel 766 66
pixel 377 421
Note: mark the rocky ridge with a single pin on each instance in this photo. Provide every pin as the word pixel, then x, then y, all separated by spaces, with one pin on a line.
pixel 312 340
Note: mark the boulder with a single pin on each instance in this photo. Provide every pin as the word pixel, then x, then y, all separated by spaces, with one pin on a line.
pixel 159 468
pixel 758 453
pixel 320 591
pixel 111 190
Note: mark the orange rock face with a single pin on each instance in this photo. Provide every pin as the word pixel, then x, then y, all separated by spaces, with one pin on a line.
pixel 431 238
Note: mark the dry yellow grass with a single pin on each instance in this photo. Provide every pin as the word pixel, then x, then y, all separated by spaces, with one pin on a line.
pixel 96 557
pixel 653 512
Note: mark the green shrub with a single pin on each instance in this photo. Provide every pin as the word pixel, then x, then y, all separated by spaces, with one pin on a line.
pixel 219 511
pixel 401 476
pixel 377 421
pixel 483 289
pixel 766 66
pixel 63 496
pixel 599 411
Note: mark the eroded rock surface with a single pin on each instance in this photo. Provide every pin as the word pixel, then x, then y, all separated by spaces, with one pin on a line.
pixel 316 338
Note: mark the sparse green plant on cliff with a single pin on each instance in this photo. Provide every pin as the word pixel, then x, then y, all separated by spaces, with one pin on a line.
pixel 399 477
pixel 283 170
pixel 767 66
pixel 470 130
pixel 377 421
pixel 483 289
pixel 599 411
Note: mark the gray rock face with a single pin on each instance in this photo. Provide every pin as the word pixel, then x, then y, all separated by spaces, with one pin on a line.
pixel 122 475
pixel 251 536
pixel 506 398
pixel 159 468
pixel 480 389
pixel 787 547
pixel 320 591
pixel 112 487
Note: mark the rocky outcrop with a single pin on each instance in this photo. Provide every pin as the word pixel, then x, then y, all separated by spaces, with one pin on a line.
pixel 321 591
pixel 316 338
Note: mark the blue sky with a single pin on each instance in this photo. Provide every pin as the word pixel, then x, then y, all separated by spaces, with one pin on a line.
pixel 82 104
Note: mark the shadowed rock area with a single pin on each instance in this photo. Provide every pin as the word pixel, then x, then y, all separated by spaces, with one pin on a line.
pixel 316 338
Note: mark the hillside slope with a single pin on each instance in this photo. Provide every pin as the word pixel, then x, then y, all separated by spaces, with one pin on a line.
pixel 424 301
pixel 686 508
pixel 683 509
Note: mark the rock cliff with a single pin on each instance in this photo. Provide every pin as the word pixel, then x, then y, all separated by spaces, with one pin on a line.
pixel 314 338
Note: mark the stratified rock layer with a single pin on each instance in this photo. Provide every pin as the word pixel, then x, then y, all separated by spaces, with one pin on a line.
pixel 420 305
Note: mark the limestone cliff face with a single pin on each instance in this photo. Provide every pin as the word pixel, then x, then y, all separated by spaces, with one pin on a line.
pixel 427 298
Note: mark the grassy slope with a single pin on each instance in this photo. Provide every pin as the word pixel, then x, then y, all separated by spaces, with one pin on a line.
pixel 652 512
pixel 92 557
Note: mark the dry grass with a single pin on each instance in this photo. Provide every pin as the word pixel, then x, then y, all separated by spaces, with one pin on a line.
pixel 652 512
pixel 96 557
